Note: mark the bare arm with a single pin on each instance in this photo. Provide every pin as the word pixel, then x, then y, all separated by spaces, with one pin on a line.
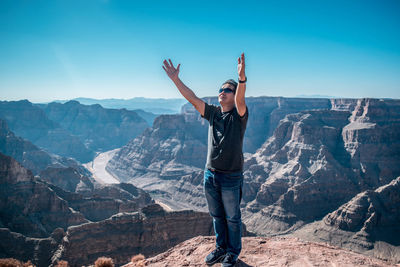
pixel 186 92
pixel 241 89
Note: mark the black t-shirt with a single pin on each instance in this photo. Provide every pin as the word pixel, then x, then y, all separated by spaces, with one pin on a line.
pixel 225 138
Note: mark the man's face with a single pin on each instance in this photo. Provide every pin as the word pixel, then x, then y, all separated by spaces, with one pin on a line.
pixel 225 97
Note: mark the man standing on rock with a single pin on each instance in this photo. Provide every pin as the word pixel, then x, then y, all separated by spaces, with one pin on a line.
pixel 223 175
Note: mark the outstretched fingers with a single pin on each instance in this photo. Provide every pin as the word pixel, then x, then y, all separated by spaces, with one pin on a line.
pixel 241 59
pixel 170 62
pixel 166 64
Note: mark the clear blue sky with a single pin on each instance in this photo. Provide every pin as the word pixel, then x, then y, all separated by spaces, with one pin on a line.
pixel 62 49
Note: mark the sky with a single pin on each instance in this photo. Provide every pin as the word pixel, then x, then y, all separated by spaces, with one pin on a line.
pixel 64 49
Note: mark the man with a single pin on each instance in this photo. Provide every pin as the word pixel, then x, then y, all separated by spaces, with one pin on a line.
pixel 223 175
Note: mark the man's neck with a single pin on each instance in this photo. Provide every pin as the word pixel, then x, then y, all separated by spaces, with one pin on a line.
pixel 226 108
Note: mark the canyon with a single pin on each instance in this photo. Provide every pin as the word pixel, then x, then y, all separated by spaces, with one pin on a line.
pixel 322 170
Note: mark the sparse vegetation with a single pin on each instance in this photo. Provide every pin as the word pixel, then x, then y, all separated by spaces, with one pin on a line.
pixel 10 262
pixel 138 260
pixel 104 262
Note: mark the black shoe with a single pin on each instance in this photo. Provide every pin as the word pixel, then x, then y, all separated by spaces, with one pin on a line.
pixel 215 256
pixel 229 260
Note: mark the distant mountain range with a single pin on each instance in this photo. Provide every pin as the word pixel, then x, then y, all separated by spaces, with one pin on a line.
pixel 72 129
pixel 153 105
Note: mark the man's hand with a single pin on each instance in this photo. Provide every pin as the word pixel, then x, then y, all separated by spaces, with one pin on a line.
pixel 241 66
pixel 241 89
pixel 186 92
pixel 171 71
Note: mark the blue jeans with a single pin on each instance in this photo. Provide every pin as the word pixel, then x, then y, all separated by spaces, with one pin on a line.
pixel 223 193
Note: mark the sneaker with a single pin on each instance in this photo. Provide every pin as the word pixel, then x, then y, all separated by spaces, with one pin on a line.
pixel 217 255
pixel 229 260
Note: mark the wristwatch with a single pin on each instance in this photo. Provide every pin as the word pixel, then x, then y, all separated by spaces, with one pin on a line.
pixel 245 80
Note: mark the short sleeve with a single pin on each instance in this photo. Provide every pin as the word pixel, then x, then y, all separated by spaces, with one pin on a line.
pixel 244 118
pixel 208 111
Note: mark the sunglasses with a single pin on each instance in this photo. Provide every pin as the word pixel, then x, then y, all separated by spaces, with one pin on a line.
pixel 225 90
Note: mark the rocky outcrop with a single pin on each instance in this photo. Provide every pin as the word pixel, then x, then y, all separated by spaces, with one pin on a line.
pixel 31 123
pixel 28 206
pixel 68 179
pixel 150 231
pixel 297 168
pixel 98 128
pixel 262 251
pixel 37 250
pixel 30 156
pixel 166 160
pixel 104 201
pixel 368 223
pixel 320 160
pixel 35 208
pixel 371 211
pixel 372 139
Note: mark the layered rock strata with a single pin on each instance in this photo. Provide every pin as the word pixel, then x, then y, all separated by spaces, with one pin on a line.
pixel 318 160
pixel 105 200
pixel 28 206
pixel 72 129
pixel 35 208
pixel 32 157
pixel 37 250
pixel 150 231
pixel 167 161
pixel 31 123
pixel 368 223
pixel 98 128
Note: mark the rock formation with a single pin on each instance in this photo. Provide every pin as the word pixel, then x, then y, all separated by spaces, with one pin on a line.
pixel 71 129
pixel 262 251
pixel 35 217
pixel 368 223
pixel 30 156
pixel 31 123
pixel 37 250
pixel 104 201
pixel 150 231
pixel 321 154
pixel 166 160
pixel 98 128
pixel 68 179
pixel 318 160
pixel 29 206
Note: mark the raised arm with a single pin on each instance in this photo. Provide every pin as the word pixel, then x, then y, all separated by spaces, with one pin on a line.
pixel 187 93
pixel 241 89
